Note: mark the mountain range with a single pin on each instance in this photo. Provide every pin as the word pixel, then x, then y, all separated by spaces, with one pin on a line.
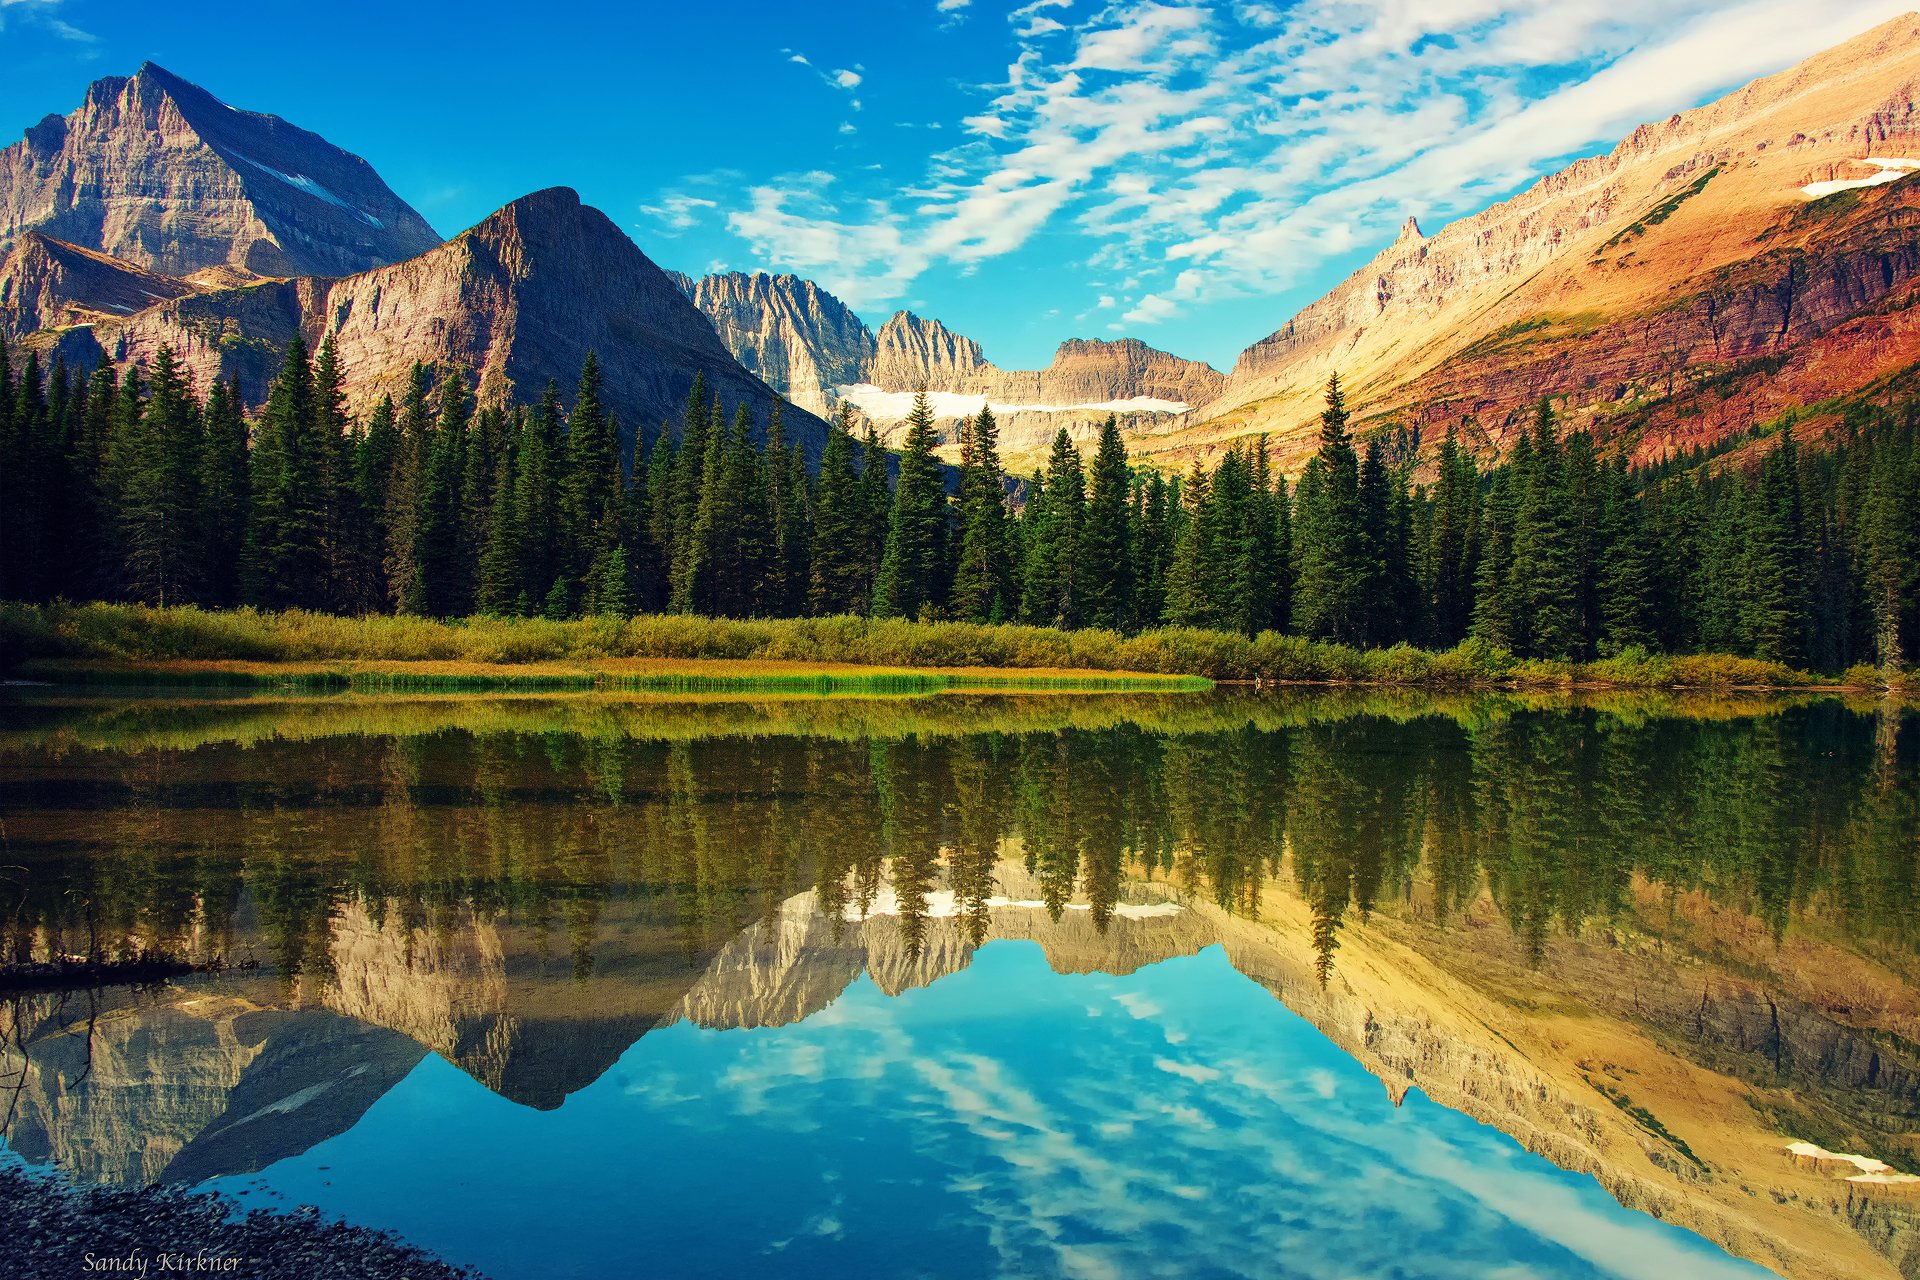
pixel 1713 271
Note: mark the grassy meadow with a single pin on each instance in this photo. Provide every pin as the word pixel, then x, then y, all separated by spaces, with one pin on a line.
pixel 106 643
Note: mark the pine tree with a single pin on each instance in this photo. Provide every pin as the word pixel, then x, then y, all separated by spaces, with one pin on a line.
pixel 1778 553
pixel 1055 515
pixel 1450 562
pixel 405 488
pixel 441 585
pixel 1624 576
pixel 591 486
pixel 1190 591
pixel 1497 619
pixel 1105 556
pixel 1332 574
pixel 1545 575
pixel 913 578
pixel 538 471
pixel 983 589
pixel 501 588
pixel 286 561
pixel 374 458
pixel 838 582
pixel 223 484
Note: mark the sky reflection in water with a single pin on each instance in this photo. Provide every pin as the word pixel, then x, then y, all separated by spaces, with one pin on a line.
pixel 1004 1121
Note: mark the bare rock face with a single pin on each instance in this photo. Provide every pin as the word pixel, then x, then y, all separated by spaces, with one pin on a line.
pixel 913 351
pixel 813 349
pixel 790 332
pixel 519 299
pixel 161 174
pixel 1625 280
pixel 47 283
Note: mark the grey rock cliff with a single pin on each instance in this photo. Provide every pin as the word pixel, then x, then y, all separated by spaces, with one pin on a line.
pixel 161 174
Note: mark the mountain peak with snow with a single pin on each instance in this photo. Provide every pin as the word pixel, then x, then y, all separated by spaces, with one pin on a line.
pixel 157 172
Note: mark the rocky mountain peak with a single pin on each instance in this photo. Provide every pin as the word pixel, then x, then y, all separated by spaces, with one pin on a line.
pixel 912 349
pixel 157 172
pixel 787 330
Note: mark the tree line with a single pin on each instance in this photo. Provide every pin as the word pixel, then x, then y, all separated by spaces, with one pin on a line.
pixel 136 487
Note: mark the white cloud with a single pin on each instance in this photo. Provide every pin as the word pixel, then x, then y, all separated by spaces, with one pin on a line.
pixel 847 79
pixel 1237 147
pixel 41 13
pixel 676 212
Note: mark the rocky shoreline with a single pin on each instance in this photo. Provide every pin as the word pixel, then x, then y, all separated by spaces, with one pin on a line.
pixel 51 1230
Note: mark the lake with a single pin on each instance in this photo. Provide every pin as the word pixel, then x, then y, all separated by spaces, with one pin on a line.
pixel 1183 985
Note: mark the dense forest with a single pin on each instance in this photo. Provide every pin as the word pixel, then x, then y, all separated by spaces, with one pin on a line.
pixel 136 487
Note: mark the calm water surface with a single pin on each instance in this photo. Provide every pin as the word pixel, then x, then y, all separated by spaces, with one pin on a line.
pixel 1216 985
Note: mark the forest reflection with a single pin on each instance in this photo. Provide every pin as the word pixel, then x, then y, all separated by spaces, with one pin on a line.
pixel 241 831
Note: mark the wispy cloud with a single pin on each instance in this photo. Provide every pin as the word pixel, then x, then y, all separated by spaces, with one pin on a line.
pixel 1210 150
pixel 41 13
pixel 676 212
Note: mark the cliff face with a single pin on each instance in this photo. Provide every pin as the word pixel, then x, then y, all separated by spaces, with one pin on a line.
pixel 796 336
pixel 1624 282
pixel 811 348
pixel 912 351
pixel 159 173
pixel 518 299
pixel 48 283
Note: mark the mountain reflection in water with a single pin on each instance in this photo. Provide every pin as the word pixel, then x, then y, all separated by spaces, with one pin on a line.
pixel 1652 942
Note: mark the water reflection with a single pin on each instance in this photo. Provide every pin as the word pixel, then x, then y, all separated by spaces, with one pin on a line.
pixel 1650 941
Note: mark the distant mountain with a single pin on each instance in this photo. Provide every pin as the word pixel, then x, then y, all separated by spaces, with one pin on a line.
pixel 812 348
pixel 47 283
pixel 161 174
pixel 1713 270
pixel 518 299
pixel 789 331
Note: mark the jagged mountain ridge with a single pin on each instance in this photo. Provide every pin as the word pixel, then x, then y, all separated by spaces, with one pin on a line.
pixel 161 174
pixel 801 339
pixel 1621 283
pixel 519 298
pixel 812 348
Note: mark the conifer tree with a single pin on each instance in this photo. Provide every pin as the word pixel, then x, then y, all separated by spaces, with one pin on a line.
pixel 286 562
pixel 1328 535
pixel 913 576
pixel 223 485
pixel 1056 513
pixel 1624 576
pixel 1449 565
pixel 405 489
pixel 1105 554
pixel 983 588
pixel 838 582
pixel 1545 575
pixel 539 469
pixel 500 591
pixel 1190 572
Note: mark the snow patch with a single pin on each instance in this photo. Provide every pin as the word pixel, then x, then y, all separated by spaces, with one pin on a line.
pixel 944 903
pixel 892 406
pixel 300 182
pixel 1892 169
pixel 1871 1170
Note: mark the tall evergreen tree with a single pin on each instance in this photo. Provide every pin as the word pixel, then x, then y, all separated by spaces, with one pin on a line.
pixel 1051 538
pixel 914 575
pixel 286 560
pixel 1328 535
pixel 1105 554
pixel 983 589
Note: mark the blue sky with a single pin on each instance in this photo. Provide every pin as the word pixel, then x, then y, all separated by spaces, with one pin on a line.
pixel 1188 174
